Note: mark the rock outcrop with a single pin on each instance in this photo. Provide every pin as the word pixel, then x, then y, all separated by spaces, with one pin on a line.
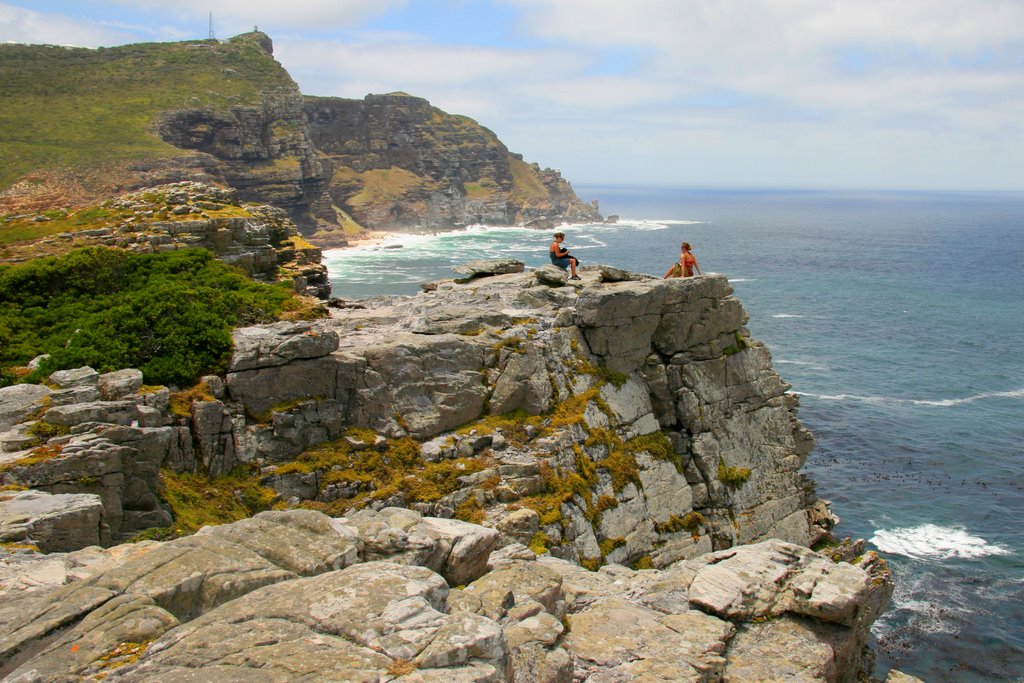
pixel 398 164
pixel 620 423
pixel 651 429
pixel 297 595
pixel 259 239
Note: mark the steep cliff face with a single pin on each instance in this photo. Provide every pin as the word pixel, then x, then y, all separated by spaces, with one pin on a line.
pixel 398 163
pixel 619 421
pixel 101 122
pixel 625 421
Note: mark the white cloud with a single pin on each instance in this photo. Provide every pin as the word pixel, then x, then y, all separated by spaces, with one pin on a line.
pixel 20 25
pixel 240 15
pixel 664 90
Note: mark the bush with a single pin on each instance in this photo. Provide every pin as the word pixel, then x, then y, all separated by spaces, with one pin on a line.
pixel 169 315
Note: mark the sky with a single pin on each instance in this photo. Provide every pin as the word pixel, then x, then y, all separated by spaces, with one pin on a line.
pixel 879 94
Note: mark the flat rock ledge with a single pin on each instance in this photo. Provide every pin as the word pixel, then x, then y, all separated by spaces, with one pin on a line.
pixel 395 596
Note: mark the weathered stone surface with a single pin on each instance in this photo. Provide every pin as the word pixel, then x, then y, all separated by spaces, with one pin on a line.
pixel 484 267
pixel 53 523
pixel 212 428
pixel 229 604
pixel 19 401
pixel 109 412
pixel 773 578
pixel 469 544
pixel 280 343
pixel 118 384
pixel 66 379
pixel 619 320
pixel 551 276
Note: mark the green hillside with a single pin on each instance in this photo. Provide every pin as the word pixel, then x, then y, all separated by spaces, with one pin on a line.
pixel 76 107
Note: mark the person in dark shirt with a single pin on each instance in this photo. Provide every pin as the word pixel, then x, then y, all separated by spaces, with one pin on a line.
pixel 561 257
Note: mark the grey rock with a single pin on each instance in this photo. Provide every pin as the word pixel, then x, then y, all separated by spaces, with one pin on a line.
pixel 52 522
pixel 118 384
pixel 551 276
pixel 19 401
pixel 84 376
pixel 485 267
pixel 277 344
pixel 108 412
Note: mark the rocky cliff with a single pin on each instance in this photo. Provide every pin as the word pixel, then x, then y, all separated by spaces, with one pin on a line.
pixel 259 239
pixel 82 125
pixel 398 163
pixel 650 427
pixel 622 423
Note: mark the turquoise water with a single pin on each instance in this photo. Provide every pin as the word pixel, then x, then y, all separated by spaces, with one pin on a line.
pixel 899 319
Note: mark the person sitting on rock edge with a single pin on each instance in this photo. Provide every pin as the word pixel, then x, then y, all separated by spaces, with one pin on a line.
pixel 687 262
pixel 561 257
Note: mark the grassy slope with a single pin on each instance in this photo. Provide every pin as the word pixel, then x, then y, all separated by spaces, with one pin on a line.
pixel 75 107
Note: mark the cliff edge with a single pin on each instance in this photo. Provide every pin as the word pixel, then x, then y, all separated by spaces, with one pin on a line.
pixel 505 432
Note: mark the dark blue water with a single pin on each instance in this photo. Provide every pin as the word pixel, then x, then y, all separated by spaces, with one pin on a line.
pixel 899 318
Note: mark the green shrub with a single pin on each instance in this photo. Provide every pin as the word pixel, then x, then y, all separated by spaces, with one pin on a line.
pixel 169 315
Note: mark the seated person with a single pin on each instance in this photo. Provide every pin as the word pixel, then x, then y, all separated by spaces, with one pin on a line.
pixel 560 257
pixel 685 265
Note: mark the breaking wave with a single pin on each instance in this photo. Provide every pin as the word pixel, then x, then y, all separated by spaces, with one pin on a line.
pixel 930 541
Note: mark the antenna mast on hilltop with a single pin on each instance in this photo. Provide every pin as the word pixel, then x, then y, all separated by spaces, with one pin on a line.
pixel 211 26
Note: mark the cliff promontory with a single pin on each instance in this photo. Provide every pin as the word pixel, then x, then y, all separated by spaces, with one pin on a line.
pixel 508 433
pixel 81 126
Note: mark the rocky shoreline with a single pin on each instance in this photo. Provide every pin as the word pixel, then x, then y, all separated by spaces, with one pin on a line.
pixel 535 428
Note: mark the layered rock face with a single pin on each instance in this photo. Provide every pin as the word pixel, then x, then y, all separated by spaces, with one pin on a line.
pixel 652 427
pixel 263 151
pixel 398 163
pixel 296 595
pixel 616 422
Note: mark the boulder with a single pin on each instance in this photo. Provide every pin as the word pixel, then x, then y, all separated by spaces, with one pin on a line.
pixel 280 343
pixel 19 401
pixel 551 276
pixel 79 377
pixel 52 522
pixel 119 384
pixel 486 267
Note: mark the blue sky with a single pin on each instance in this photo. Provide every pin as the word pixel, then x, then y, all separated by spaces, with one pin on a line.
pixel 922 94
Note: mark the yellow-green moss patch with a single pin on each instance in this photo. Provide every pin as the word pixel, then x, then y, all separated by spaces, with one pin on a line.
pixel 197 500
pixel 733 477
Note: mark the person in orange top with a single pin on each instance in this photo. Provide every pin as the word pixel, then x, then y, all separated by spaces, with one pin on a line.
pixel 687 264
pixel 560 257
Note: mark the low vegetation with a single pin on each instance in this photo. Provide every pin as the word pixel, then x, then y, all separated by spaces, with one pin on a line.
pixel 81 108
pixel 197 500
pixel 169 315
pixel 733 477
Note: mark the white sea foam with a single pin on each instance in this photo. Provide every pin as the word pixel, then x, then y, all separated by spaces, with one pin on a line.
pixel 1019 393
pixel 804 363
pixel 743 279
pixel 786 315
pixel 941 403
pixel 935 542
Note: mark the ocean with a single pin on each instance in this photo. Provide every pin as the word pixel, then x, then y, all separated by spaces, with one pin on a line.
pixel 898 317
